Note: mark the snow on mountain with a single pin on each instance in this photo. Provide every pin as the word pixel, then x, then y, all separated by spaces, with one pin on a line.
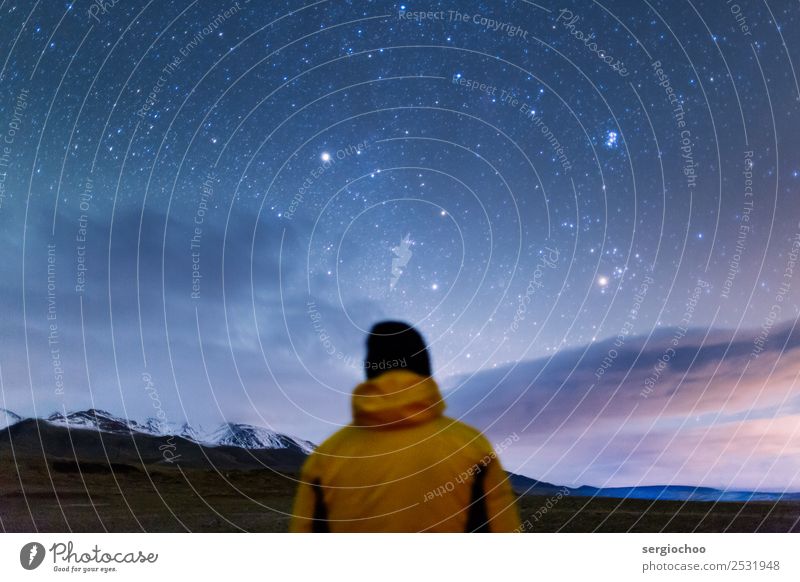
pixel 160 428
pixel 7 418
pixel 244 436
pixel 96 419
pixel 247 436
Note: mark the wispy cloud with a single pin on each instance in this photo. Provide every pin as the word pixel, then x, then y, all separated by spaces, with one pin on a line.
pixel 713 414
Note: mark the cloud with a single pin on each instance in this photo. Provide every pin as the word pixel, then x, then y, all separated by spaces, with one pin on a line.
pixel 653 410
pixel 289 386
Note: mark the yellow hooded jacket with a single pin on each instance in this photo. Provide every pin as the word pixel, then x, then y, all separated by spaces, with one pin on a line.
pixel 401 466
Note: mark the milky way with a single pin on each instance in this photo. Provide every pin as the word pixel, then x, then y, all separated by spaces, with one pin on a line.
pixel 223 197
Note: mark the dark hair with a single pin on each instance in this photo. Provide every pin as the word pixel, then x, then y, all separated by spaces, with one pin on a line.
pixel 394 344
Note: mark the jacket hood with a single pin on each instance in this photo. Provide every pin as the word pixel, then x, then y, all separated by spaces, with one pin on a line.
pixel 396 398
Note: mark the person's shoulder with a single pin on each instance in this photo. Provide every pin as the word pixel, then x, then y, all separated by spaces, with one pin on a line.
pixel 331 444
pixel 329 448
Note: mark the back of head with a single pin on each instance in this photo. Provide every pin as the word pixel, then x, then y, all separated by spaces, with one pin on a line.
pixel 394 344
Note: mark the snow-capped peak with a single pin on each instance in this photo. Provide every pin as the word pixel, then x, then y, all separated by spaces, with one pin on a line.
pixel 248 436
pixel 162 428
pixel 7 418
pixel 97 419
pixel 244 436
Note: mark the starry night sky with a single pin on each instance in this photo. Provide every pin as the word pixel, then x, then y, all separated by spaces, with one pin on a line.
pixel 223 197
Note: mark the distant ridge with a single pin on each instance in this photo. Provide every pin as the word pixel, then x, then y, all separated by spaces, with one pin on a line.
pixel 526 486
pixel 92 439
pixel 244 436
pixel 7 417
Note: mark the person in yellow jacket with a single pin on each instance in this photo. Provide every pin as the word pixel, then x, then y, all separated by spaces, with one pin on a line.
pixel 401 465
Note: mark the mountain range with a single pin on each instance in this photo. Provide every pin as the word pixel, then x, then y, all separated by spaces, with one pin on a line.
pixel 525 486
pixel 244 436
pixel 97 441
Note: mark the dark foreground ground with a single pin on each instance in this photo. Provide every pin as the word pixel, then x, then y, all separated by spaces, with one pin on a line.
pixel 170 499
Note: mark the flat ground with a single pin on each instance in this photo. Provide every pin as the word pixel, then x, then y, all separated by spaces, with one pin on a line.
pixel 169 499
pixel 603 514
